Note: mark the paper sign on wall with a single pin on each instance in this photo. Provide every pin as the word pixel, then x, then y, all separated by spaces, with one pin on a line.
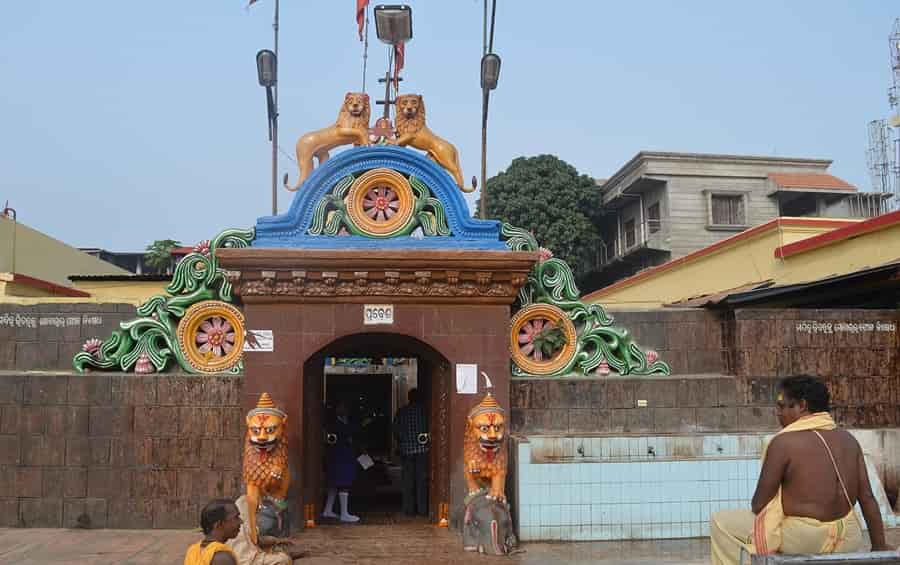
pixel 259 340
pixel 466 378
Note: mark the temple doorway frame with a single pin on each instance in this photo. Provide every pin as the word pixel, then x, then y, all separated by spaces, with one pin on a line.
pixel 433 381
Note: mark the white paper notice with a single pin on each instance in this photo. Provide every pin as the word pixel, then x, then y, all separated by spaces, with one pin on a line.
pixel 466 378
pixel 365 461
pixel 259 340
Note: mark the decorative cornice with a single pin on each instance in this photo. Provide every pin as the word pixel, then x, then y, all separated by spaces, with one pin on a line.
pixel 311 275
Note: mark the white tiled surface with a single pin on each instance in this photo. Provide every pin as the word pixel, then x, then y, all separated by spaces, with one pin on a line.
pixel 612 489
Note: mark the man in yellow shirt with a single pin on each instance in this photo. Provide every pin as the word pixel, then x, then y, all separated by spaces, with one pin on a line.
pixel 221 521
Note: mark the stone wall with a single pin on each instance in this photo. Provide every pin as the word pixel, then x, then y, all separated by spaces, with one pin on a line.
pixel 691 341
pixel 619 405
pixel 114 450
pixel 47 336
pixel 857 353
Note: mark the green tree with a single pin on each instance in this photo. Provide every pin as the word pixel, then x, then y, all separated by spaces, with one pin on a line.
pixel 159 255
pixel 547 196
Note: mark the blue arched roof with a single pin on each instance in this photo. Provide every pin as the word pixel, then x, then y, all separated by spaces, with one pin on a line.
pixel 291 229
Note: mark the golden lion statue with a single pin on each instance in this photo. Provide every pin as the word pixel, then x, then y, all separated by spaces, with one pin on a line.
pixel 484 449
pixel 266 472
pixel 352 126
pixel 413 132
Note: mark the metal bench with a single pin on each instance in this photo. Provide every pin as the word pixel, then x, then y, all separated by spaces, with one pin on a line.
pixel 866 558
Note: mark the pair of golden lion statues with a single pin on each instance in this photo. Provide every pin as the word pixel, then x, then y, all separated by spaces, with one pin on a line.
pixel 352 127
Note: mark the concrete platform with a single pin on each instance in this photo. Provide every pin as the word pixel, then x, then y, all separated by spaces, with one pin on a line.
pixel 335 545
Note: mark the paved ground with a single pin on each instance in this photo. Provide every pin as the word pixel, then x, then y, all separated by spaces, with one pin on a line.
pixel 334 545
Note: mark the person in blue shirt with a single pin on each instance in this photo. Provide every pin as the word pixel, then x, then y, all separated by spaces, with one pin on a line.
pixel 411 431
pixel 340 459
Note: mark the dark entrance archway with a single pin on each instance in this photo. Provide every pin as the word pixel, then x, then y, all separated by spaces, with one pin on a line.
pixel 434 384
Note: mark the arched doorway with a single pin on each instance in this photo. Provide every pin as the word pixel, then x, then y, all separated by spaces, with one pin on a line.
pixel 376 396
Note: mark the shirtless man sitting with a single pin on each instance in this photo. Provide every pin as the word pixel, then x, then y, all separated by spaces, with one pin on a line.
pixel 812 476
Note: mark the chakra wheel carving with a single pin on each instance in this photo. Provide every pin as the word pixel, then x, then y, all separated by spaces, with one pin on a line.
pixel 211 335
pixel 381 203
pixel 531 328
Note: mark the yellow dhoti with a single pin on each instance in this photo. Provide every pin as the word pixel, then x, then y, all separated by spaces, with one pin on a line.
pixel 732 530
pixel 771 531
pixel 247 552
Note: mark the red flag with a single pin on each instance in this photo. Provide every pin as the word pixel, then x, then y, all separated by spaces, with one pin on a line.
pixel 399 52
pixel 360 15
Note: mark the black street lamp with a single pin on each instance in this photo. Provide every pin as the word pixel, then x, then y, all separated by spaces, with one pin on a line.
pixel 490 71
pixel 393 23
pixel 267 71
pixel 490 74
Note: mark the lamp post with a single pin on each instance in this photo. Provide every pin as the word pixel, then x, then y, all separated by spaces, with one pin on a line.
pixel 267 71
pixel 393 26
pixel 490 74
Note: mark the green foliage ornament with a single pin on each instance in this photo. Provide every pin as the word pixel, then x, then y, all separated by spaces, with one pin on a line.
pixel 600 347
pixel 331 213
pixel 149 342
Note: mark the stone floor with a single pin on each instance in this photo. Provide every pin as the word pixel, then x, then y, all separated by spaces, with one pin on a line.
pixel 334 545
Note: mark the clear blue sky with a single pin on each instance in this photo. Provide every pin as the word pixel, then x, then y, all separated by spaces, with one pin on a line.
pixel 123 122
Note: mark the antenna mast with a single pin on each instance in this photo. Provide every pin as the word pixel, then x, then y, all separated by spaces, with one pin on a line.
pixel 883 154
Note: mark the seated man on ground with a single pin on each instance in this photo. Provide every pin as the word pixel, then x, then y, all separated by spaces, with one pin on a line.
pixel 270 551
pixel 220 520
pixel 812 476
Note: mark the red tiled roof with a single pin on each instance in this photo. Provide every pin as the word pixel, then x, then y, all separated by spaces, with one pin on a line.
pixel 51 287
pixel 810 180
pixel 840 234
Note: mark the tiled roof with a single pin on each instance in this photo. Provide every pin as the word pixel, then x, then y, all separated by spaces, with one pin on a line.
pixel 810 180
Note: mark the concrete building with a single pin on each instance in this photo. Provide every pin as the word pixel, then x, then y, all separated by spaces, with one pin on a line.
pixel 663 206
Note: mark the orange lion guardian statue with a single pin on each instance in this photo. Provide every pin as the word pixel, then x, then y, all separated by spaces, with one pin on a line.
pixel 484 449
pixel 352 126
pixel 266 472
pixel 413 132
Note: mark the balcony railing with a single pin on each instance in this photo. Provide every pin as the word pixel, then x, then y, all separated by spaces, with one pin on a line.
pixel 654 235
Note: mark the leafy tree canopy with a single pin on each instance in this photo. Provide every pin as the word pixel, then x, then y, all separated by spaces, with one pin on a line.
pixel 547 196
pixel 159 254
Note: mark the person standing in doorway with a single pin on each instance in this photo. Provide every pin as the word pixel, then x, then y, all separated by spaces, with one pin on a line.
pixel 341 461
pixel 411 431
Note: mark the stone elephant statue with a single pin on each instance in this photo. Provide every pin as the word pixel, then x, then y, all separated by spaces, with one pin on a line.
pixel 488 527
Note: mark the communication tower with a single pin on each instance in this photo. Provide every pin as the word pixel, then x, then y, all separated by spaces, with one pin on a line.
pixel 883 154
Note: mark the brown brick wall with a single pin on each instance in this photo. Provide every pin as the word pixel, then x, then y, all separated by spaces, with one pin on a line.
pixel 56 337
pixel 691 341
pixel 123 451
pixel 754 348
pixel 861 368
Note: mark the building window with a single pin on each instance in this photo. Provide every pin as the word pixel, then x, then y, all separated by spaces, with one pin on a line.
pixel 727 210
pixel 630 234
pixel 653 220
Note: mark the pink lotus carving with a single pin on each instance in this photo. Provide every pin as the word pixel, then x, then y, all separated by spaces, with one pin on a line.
pixel 544 254
pixel 202 248
pixel 603 368
pixel 527 334
pixel 143 365
pixel 92 346
pixel 652 356
pixel 215 336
